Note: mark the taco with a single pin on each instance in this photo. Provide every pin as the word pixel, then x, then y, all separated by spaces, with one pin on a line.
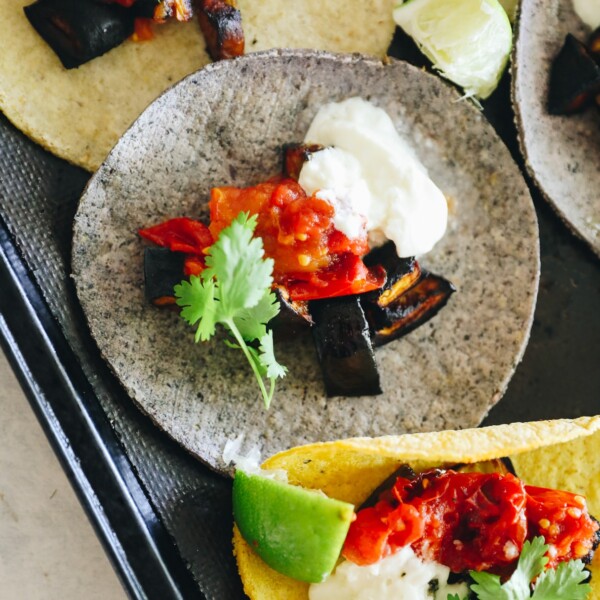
pixel 225 125
pixel 79 114
pixel 561 454
pixel 561 152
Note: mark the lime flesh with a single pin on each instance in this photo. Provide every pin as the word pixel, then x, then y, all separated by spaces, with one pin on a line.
pixel 297 532
pixel 468 41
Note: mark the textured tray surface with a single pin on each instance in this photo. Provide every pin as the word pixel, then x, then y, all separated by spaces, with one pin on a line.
pixel 224 126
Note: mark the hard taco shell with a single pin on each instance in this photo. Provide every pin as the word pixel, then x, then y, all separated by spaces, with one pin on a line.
pixel 80 114
pixel 561 454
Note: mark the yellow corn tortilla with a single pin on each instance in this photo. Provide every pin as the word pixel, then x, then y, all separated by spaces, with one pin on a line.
pixel 560 454
pixel 79 114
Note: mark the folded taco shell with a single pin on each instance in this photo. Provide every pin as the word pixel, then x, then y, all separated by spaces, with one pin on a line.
pixel 560 454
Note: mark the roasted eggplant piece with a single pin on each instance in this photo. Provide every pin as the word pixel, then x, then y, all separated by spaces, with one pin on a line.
pixel 410 310
pixel 293 314
pixel 402 274
pixel 163 270
pixel 80 30
pixel 221 25
pixel 574 79
pixel 343 342
pixel 295 155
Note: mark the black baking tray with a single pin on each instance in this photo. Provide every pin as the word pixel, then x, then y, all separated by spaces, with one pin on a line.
pixel 164 518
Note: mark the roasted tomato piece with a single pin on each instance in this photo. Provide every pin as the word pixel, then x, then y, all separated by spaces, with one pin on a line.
pixel 563 520
pixel 472 520
pixel 346 276
pixel 312 259
pixel 180 235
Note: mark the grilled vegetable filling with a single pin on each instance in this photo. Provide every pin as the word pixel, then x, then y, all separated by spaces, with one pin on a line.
pixel 80 30
pixel 471 521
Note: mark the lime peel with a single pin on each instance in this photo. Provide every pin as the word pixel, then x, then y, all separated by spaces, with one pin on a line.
pixel 468 41
pixel 296 531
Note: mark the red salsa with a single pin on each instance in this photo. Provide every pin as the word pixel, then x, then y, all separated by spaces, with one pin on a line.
pixel 312 258
pixel 470 521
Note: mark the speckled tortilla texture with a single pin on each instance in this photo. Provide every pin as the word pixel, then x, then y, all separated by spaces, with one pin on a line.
pixel 562 152
pixel 225 125
pixel 79 114
pixel 562 454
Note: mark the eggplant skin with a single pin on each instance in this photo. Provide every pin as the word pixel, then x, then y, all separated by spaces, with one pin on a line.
pixel 294 157
pixel 402 274
pixel 80 30
pixel 293 316
pixel 413 308
pixel 574 79
pixel 221 25
pixel 343 343
pixel 163 270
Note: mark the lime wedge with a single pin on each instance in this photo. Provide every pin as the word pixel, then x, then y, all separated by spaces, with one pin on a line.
pixel 468 41
pixel 296 531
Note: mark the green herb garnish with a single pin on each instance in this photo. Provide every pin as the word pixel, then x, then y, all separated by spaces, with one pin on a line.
pixel 235 291
pixel 566 581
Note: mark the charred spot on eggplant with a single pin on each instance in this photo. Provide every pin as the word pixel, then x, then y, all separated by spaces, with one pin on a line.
pixel 344 350
pixel 409 311
pixel 163 270
pixel 293 314
pixel 221 25
pixel 294 157
pixel 145 8
pixel 404 470
pixel 80 30
pixel 402 274
pixel 574 78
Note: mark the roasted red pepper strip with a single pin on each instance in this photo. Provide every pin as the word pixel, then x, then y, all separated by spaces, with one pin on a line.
pixel 180 235
pixel 470 521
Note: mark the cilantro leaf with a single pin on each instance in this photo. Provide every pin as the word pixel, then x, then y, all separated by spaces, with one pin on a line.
pixel 235 291
pixel 197 299
pixel 531 564
pixel 236 262
pixel 267 357
pixel 456 597
pixel 252 321
pixel 563 582
pixel 553 584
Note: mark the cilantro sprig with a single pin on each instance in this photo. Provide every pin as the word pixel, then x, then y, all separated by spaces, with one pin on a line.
pixel 235 291
pixel 566 581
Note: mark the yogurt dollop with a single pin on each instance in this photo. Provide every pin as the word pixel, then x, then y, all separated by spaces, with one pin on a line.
pixel 588 11
pixel 373 178
pixel 401 576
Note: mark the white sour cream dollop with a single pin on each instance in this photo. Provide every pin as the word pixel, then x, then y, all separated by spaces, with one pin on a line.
pixel 401 576
pixel 373 177
pixel 588 11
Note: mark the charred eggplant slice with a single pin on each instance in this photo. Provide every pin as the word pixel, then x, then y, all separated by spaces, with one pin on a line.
pixel 293 314
pixel 295 155
pixel 221 25
pixel 343 342
pixel 163 270
pixel 574 79
pixel 410 310
pixel 402 274
pixel 80 30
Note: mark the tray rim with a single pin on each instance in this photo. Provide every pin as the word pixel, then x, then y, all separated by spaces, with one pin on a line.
pixel 142 552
